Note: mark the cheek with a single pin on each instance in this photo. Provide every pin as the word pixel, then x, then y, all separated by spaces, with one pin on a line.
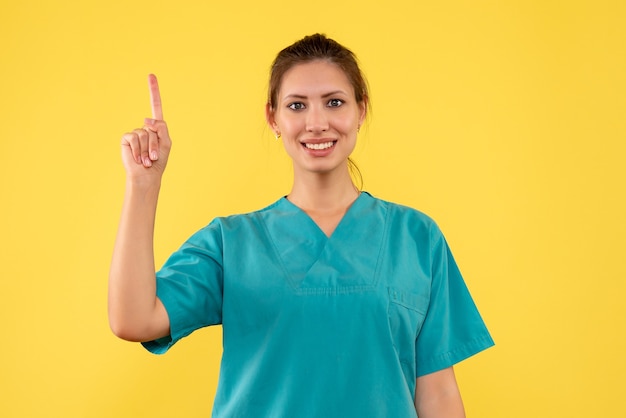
pixel 348 124
pixel 350 120
pixel 288 126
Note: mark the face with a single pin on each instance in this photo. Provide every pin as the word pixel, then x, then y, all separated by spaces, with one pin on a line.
pixel 317 116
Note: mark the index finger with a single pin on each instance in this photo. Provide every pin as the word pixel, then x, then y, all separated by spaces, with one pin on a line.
pixel 155 97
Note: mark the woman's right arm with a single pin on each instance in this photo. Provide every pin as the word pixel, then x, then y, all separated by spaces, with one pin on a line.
pixel 135 312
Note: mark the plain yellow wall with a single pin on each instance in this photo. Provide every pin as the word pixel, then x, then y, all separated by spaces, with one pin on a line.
pixel 503 120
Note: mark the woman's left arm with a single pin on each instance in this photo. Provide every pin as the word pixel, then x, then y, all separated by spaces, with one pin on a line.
pixel 437 395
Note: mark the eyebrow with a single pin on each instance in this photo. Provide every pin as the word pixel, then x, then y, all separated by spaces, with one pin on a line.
pixel 325 95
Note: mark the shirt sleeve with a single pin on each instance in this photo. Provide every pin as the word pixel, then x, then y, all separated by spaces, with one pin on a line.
pixel 453 329
pixel 190 285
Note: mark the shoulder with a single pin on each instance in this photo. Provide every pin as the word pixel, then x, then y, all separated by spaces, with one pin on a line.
pixel 405 218
pixel 246 220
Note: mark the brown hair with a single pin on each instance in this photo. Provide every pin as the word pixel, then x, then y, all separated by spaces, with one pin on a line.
pixel 311 48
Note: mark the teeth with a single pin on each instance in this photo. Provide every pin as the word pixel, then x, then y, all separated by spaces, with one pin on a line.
pixel 324 145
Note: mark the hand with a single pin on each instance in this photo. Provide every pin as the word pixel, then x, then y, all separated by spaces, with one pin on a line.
pixel 145 150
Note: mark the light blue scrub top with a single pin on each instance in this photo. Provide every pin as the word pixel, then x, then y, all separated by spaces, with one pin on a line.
pixel 322 327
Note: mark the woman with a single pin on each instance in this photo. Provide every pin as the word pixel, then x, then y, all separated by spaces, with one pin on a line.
pixel 333 303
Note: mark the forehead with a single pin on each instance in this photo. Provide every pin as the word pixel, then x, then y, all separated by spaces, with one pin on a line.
pixel 315 77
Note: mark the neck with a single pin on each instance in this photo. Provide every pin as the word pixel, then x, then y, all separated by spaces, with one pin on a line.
pixel 321 192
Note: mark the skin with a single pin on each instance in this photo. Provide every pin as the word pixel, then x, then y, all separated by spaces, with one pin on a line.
pixel 316 105
pixel 437 396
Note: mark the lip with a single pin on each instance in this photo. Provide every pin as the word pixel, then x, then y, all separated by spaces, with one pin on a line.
pixel 318 152
pixel 317 140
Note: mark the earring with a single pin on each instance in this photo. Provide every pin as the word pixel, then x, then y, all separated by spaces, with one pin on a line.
pixel 277 135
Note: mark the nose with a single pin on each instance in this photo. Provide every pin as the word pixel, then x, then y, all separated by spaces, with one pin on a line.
pixel 317 120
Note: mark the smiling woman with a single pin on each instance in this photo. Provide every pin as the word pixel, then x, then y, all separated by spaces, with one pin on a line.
pixel 319 48
pixel 334 303
pixel 318 117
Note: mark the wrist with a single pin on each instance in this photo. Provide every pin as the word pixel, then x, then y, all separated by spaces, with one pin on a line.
pixel 143 187
pixel 143 182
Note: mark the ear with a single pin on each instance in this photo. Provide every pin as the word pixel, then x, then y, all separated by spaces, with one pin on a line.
pixel 363 109
pixel 270 117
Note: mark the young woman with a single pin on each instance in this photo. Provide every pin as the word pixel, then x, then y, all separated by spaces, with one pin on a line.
pixel 333 303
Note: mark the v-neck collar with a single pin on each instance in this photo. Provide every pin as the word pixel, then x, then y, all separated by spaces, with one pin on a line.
pixel 314 262
pixel 345 216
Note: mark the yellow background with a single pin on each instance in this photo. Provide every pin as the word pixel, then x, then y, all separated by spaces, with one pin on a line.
pixel 503 120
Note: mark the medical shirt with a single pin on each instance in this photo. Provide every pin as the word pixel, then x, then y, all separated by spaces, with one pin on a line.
pixel 317 326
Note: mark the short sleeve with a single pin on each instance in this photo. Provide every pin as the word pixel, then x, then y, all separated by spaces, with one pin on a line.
pixel 190 286
pixel 453 329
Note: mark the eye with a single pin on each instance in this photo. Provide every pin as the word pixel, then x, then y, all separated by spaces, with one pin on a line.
pixel 335 102
pixel 296 106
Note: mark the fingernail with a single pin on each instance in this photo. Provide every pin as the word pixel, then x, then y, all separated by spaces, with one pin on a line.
pixel 154 156
pixel 147 162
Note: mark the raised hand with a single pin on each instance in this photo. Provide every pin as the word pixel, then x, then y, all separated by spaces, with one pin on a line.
pixel 145 150
pixel 135 312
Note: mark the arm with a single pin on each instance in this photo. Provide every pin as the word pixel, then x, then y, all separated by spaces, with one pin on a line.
pixel 135 312
pixel 437 396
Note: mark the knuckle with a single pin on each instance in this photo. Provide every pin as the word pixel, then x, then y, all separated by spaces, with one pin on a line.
pixel 141 134
pixel 129 137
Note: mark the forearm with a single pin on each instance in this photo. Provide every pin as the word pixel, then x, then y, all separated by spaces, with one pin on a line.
pixel 132 282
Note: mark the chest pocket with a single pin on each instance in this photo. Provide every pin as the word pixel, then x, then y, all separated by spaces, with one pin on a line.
pixel 406 312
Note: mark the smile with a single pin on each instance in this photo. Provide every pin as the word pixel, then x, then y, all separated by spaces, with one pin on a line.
pixel 323 145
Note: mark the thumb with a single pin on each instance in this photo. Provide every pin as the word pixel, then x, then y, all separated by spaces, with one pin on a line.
pixel 150 124
pixel 158 126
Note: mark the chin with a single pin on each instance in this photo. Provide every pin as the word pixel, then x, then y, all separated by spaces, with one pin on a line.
pixel 324 168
